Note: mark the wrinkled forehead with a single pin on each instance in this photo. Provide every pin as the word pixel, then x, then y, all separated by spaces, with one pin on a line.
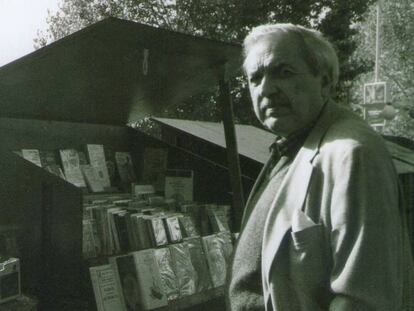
pixel 275 48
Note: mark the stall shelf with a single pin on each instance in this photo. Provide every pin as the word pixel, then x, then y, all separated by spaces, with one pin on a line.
pixel 85 89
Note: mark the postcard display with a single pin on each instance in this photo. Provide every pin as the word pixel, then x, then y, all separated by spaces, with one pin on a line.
pixel 145 239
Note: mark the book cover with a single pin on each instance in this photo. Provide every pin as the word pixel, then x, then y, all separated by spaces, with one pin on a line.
pixel 132 230
pixel 92 179
pixel 143 192
pixel 216 259
pixel 141 281
pixel 125 167
pixel 157 230
pixel 113 238
pixel 100 215
pixel 183 267
pixel 96 156
pixel 71 167
pixel 187 226
pixel 218 218
pixel 32 155
pixel 155 164
pixel 142 234
pixel 122 230
pixel 105 287
pixel 173 229
pixel 168 276
pixel 226 240
pixel 90 241
pixel 198 259
pixel 111 166
pixel 179 185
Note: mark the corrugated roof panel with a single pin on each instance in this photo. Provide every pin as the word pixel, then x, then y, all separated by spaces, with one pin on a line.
pixel 254 143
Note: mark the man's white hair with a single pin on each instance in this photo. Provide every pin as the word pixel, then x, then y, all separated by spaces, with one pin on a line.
pixel 319 53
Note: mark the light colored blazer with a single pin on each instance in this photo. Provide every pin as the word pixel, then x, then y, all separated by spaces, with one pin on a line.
pixel 355 255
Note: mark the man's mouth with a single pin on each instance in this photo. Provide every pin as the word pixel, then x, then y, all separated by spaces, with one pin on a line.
pixel 279 111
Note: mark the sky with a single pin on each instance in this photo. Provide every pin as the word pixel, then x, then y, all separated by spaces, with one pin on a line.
pixel 19 22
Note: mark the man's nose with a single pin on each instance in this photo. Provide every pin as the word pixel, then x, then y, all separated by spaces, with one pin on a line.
pixel 269 86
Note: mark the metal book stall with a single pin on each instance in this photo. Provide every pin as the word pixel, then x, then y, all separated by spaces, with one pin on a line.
pixel 85 89
pixel 207 140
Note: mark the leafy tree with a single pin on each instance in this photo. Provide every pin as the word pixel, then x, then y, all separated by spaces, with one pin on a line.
pixel 396 60
pixel 227 20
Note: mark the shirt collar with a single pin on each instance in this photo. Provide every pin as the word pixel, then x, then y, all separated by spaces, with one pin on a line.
pixel 289 146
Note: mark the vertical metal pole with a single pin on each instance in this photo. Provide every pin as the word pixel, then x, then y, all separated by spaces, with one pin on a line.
pixel 231 145
pixel 377 43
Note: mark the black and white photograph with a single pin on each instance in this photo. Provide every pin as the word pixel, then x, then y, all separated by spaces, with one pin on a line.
pixel 206 155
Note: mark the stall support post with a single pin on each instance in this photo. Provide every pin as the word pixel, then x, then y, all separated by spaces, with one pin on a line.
pixel 231 146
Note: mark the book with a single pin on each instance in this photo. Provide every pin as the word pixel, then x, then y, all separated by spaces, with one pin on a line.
pixel 50 164
pixel 179 185
pixel 32 155
pixel 187 226
pixel 157 230
pixel 111 166
pixel 92 179
pixel 100 215
pixel 168 276
pixel 96 156
pixel 226 240
pixel 140 280
pixel 200 217
pixel 216 259
pixel 105 288
pixel 173 229
pixel 218 218
pixel 113 238
pixel 141 231
pixel 71 167
pixel 143 192
pixel 125 167
pixel 155 164
pixel 121 225
pixel 198 259
pixel 90 241
pixel 184 269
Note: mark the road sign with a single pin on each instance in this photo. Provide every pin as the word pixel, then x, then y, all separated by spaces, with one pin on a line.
pixel 376 93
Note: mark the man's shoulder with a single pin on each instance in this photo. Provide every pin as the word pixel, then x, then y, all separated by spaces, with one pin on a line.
pixel 349 133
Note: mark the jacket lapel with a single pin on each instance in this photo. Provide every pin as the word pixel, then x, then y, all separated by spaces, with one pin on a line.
pixel 293 191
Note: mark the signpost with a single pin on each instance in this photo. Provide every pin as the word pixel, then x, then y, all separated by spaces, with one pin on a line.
pixel 376 96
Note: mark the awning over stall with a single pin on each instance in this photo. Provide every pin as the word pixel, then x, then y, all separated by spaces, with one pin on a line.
pixel 112 72
pixel 254 142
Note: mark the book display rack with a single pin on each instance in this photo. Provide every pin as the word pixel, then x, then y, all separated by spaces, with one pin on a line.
pixel 65 110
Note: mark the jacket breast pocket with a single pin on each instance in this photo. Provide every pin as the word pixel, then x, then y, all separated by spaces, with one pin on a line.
pixel 308 265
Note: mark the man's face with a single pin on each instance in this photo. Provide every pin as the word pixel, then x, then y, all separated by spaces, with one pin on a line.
pixel 286 94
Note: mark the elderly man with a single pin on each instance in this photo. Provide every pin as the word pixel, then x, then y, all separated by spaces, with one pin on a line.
pixel 322 228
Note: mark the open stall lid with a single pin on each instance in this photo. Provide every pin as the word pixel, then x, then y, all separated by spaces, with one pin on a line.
pixel 112 72
pixel 253 142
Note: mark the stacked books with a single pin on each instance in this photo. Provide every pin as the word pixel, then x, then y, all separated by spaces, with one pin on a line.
pixel 94 167
pixel 157 255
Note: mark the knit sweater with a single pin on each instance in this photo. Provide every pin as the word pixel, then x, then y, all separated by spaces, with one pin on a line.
pixel 245 287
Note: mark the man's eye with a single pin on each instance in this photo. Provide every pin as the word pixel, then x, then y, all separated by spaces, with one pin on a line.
pixel 255 79
pixel 286 73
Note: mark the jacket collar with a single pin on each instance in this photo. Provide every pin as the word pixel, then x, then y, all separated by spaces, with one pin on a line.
pixel 309 150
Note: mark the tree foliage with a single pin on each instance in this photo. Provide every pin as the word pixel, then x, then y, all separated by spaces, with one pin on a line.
pixel 396 64
pixel 227 20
